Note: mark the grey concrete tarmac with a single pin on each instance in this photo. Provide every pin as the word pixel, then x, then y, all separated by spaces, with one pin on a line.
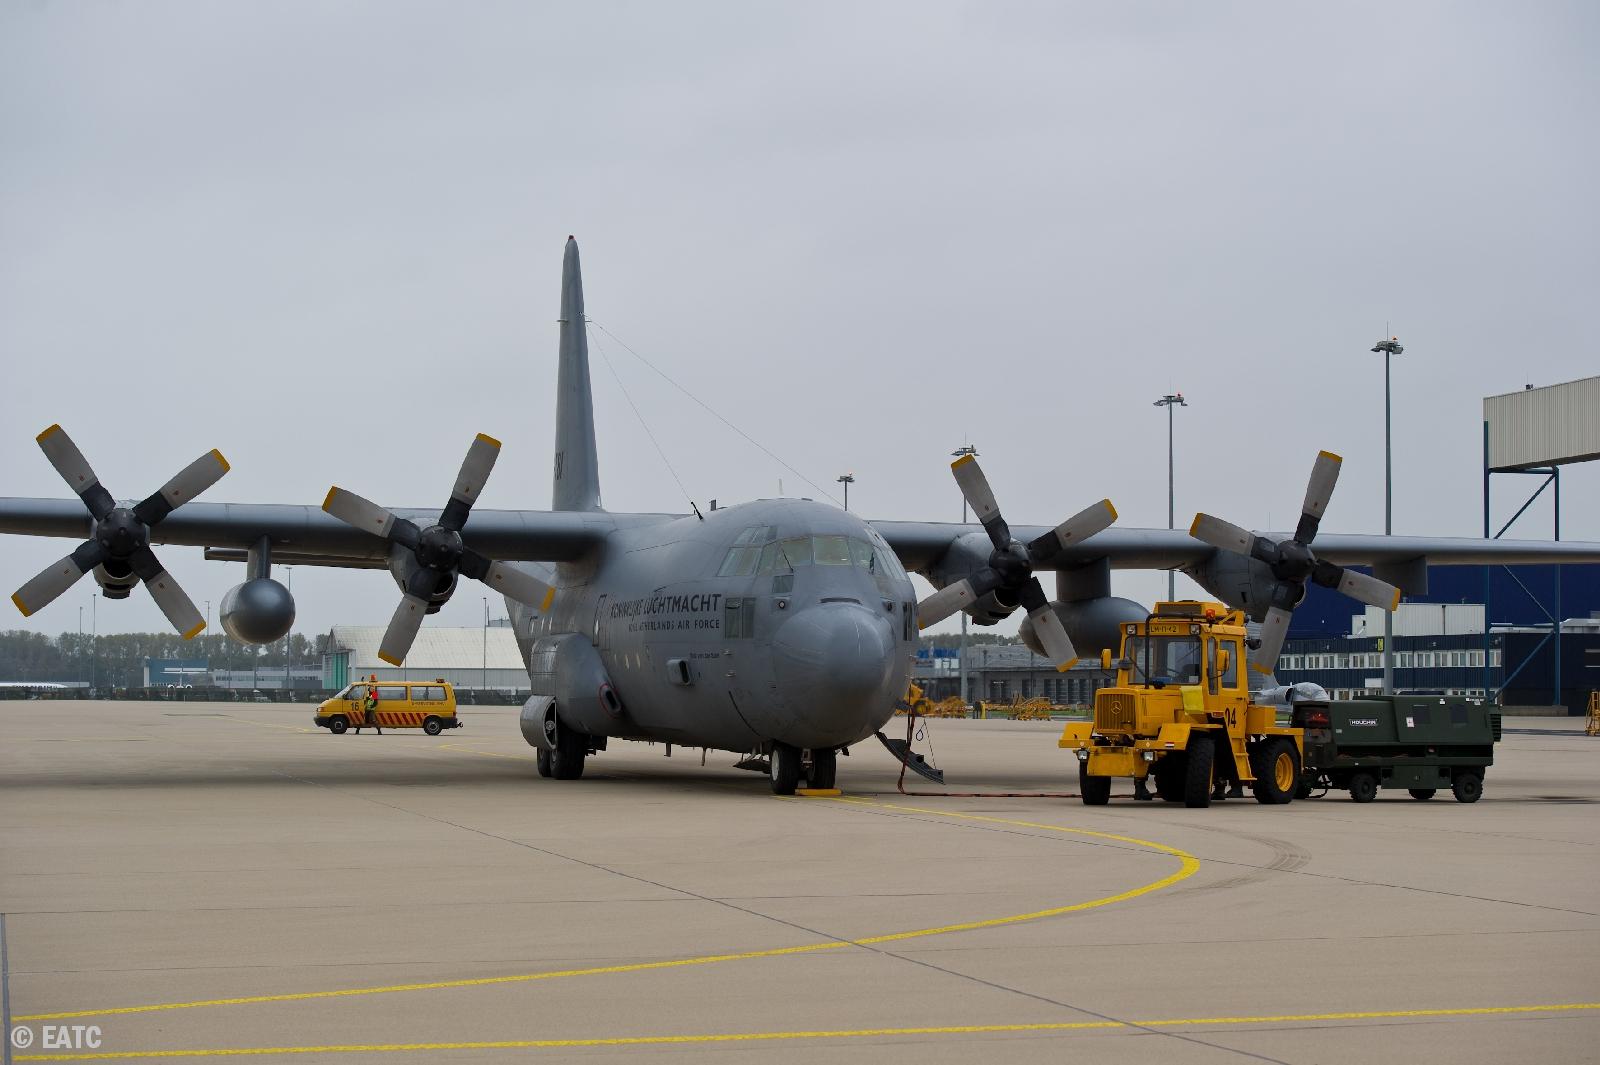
pixel 175 854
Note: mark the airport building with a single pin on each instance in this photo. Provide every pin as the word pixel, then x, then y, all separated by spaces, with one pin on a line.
pixel 997 673
pixel 484 658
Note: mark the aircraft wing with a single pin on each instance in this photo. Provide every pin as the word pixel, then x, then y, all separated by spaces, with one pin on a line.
pixel 920 545
pixel 305 536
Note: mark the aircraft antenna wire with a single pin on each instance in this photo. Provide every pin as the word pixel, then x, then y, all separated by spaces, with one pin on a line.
pixel 640 415
pixel 709 409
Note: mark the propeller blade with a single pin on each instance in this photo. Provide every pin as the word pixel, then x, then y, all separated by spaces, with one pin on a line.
pixel 1222 534
pixel 193 479
pixel 475 469
pixel 169 596
pixel 75 470
pixel 1324 475
pixel 51 582
pixel 980 497
pixel 516 584
pixel 1047 626
pixel 1274 630
pixel 1075 530
pixel 359 512
pixel 402 630
pixel 944 602
pixel 1367 589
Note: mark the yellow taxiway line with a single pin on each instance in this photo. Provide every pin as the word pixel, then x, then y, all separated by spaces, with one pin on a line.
pixel 1188 866
pixel 844 1033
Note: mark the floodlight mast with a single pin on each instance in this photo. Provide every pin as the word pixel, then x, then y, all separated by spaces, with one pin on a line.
pixel 1390 348
pixel 1174 400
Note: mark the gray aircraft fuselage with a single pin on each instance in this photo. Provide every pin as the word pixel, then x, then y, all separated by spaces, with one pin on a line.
pixel 777 620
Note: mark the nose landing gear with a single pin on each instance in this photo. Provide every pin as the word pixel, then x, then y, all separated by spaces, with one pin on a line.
pixel 789 765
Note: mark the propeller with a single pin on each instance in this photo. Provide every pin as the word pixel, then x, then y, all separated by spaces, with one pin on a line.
pixel 121 537
pixel 1293 563
pixel 438 550
pixel 1011 565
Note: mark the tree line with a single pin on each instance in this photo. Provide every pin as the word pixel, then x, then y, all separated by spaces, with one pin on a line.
pixel 117 660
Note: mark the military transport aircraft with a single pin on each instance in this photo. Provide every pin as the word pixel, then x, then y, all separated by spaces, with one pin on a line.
pixel 782 628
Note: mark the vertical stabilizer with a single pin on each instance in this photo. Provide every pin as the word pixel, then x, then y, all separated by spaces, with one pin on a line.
pixel 577 471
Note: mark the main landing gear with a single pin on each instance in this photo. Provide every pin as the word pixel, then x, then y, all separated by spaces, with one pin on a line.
pixel 789 765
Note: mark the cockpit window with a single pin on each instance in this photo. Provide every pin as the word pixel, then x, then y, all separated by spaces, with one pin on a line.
pixel 754 536
pixel 740 562
pixel 832 550
pixel 861 555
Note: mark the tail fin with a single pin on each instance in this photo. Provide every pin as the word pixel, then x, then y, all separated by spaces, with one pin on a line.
pixel 577 473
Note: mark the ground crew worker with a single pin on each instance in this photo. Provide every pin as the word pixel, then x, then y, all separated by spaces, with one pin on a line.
pixel 371 708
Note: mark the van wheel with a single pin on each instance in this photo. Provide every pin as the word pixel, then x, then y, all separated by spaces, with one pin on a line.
pixel 542 760
pixel 1423 794
pixel 339 725
pixel 1363 787
pixel 432 726
pixel 1197 773
pixel 1467 787
pixel 1276 767
pixel 1096 791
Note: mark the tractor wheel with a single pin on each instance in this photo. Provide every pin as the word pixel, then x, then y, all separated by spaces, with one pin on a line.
pixel 1363 787
pixel 1096 791
pixel 824 768
pixel 1423 794
pixel 784 763
pixel 339 725
pixel 1276 766
pixel 1467 787
pixel 1197 772
pixel 1169 774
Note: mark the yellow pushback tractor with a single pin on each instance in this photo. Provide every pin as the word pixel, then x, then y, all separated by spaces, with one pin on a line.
pixel 1180 714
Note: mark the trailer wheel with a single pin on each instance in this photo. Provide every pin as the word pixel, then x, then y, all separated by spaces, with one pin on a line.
pixel 1467 787
pixel 1169 773
pixel 1197 771
pixel 1276 766
pixel 1096 791
pixel 339 725
pixel 432 726
pixel 1423 794
pixel 1363 787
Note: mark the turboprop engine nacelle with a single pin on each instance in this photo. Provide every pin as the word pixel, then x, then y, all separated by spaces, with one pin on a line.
pixel 257 611
pixel 403 563
pixel 116 579
pixel 1091 624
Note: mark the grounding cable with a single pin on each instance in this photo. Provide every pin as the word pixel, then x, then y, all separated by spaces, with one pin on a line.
pixel 640 415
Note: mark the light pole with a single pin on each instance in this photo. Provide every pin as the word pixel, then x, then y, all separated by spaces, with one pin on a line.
pixel 961 652
pixel 1175 400
pixel 846 479
pixel 1390 349
pixel 483 684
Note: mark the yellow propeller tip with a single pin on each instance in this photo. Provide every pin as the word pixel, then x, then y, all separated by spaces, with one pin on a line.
pixel 549 597
pixel 1194 526
pixel 192 633
pixel 17 599
pixel 1063 667
pixel 391 661
pixel 1329 455
pixel 327 501
pixel 53 430
pixel 220 460
pixel 1396 604
pixel 962 461
pixel 487 439
pixel 1259 668
pixel 1109 507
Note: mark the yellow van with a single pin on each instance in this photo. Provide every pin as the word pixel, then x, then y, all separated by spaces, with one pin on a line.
pixel 428 705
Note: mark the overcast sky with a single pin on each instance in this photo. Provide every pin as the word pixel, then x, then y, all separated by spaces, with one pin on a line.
pixel 326 238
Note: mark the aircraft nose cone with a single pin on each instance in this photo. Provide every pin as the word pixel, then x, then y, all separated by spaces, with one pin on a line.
pixel 834 665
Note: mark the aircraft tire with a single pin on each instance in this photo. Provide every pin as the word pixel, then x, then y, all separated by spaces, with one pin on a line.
pixel 566 761
pixel 824 768
pixel 542 760
pixel 784 763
